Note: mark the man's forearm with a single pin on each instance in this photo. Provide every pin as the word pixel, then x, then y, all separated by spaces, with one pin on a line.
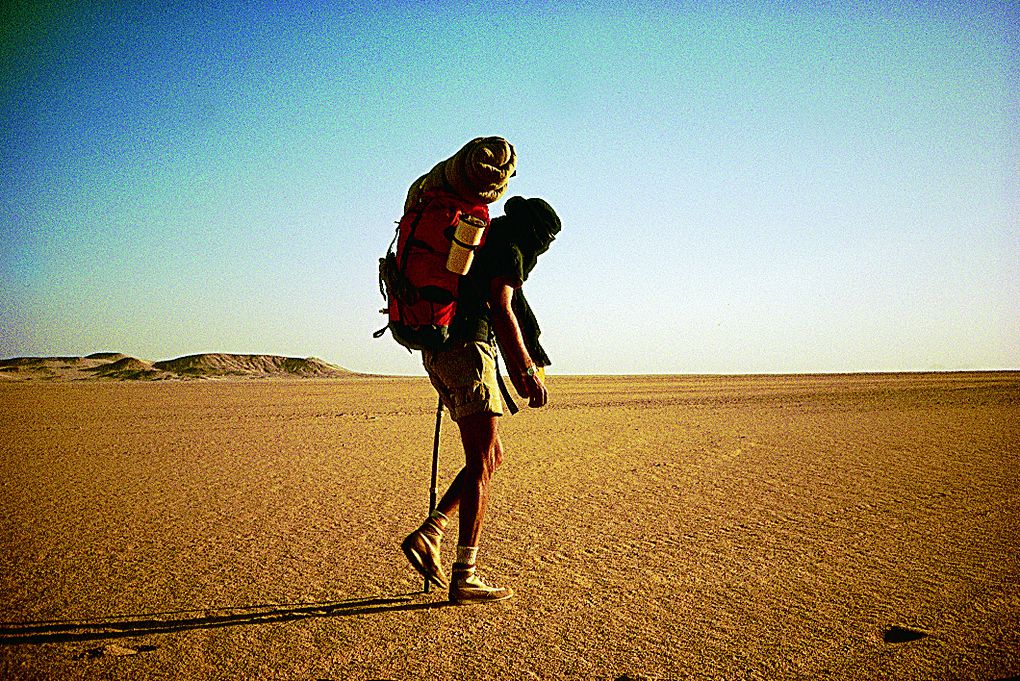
pixel 515 354
pixel 508 333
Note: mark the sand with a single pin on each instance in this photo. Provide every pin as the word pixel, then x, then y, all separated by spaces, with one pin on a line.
pixel 652 528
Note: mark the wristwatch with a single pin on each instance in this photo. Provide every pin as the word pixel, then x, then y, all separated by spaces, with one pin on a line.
pixel 531 371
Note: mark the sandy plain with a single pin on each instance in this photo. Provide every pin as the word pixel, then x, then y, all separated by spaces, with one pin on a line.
pixel 653 528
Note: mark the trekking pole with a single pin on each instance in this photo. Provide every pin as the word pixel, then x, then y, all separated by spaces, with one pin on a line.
pixel 433 491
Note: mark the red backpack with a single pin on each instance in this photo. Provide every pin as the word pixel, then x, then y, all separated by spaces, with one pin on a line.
pixel 420 291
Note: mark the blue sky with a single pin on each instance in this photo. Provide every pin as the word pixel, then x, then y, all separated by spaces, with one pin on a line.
pixel 744 187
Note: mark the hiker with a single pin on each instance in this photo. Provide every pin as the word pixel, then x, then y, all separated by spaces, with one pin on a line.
pixel 491 309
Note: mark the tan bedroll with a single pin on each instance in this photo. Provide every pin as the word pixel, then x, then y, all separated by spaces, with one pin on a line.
pixel 478 173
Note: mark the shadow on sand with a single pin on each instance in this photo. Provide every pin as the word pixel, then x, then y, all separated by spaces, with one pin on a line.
pixel 121 626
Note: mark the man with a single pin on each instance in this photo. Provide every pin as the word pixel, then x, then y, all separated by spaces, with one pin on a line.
pixel 490 306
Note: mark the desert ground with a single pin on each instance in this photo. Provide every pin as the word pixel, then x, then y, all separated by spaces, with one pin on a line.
pixel 716 527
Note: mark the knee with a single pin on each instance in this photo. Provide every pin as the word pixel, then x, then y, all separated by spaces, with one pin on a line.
pixel 497 456
pixel 485 464
pixel 482 447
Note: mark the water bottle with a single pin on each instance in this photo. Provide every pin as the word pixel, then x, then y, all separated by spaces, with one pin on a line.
pixel 466 239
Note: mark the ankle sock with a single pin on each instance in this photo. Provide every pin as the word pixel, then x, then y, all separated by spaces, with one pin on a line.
pixel 467 555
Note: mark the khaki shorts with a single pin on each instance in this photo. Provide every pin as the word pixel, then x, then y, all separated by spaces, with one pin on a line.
pixel 465 377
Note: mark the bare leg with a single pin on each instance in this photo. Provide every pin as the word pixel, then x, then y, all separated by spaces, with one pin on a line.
pixel 469 491
pixel 450 502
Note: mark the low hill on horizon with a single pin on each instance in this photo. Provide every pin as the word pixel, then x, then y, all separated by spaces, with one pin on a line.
pixel 118 366
pixel 222 364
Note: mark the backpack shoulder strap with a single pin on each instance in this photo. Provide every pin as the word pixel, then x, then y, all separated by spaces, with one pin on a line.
pixel 507 397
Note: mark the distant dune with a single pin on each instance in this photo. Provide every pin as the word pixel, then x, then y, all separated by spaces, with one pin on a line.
pixel 118 366
pixel 218 364
pixel 107 355
pixel 126 368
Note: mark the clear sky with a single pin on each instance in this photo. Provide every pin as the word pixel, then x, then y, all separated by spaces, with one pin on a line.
pixel 744 187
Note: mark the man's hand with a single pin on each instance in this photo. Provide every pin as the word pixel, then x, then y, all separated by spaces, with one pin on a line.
pixel 530 387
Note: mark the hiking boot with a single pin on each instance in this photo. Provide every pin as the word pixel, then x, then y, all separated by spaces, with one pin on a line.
pixel 422 550
pixel 467 587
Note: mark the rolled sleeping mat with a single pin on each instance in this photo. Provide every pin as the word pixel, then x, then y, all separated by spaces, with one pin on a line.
pixel 478 173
